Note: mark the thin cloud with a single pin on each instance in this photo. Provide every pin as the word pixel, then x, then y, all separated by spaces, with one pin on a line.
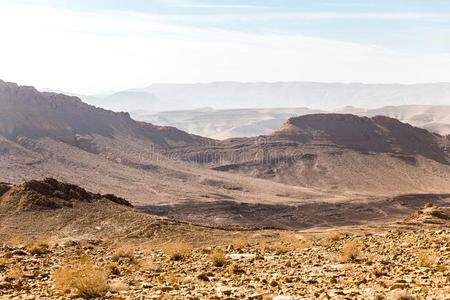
pixel 212 6
pixel 401 16
pixel 87 52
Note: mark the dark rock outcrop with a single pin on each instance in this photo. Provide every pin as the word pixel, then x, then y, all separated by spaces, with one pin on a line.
pixel 50 194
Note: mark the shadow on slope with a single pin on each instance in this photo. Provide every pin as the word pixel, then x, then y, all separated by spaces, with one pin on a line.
pixel 302 216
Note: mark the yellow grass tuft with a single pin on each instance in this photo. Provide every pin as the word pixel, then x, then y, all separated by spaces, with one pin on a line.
pixel 426 258
pixel 402 295
pixel 280 249
pixel 83 278
pixel 218 259
pixel 333 236
pixel 170 278
pixel 350 251
pixel 114 269
pixel 125 255
pixel 3 263
pixel 239 244
pixel 236 269
pixel 177 250
pixel 38 248
pixel 15 273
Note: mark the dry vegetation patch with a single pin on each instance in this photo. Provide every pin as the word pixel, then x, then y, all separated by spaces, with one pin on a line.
pixel 38 248
pixel 426 258
pixel 177 250
pixel 333 236
pixel 218 259
pixel 402 295
pixel 125 255
pixel 351 250
pixel 82 278
pixel 211 271
pixel 281 249
pixel 239 244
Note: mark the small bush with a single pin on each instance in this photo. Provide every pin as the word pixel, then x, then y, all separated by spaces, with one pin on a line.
pixel 218 259
pixel 236 269
pixel 333 236
pixel 280 249
pixel 83 278
pixel 350 251
pixel 239 244
pixel 177 250
pixel 38 248
pixel 3 263
pixel 114 269
pixel 15 273
pixel 125 255
pixel 170 278
pixel 402 295
pixel 290 239
pixel 307 241
pixel 426 258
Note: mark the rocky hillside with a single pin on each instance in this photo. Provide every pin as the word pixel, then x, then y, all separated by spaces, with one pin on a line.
pixel 434 118
pixel 48 194
pixel 338 152
pixel 377 134
pixel 26 112
pixel 187 262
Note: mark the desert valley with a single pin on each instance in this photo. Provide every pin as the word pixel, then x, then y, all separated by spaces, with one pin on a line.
pixel 94 204
pixel 225 150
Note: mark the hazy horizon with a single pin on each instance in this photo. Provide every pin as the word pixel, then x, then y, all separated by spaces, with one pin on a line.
pixel 88 47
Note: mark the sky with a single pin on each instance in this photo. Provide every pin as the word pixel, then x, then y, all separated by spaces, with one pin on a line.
pixel 94 46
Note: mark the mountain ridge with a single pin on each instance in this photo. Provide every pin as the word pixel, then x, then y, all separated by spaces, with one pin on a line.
pixel 161 170
pixel 27 112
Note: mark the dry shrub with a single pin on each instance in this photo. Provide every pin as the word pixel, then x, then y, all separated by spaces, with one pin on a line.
pixel 171 279
pixel 307 241
pixel 83 278
pixel 218 259
pixel 402 295
pixel 239 244
pixel 114 269
pixel 126 255
pixel 333 236
pixel 177 250
pixel 280 249
pixel 289 239
pixel 117 286
pixel 3 263
pixel 426 258
pixel 264 245
pixel 236 269
pixel 38 248
pixel 350 251
pixel 441 268
pixel 15 273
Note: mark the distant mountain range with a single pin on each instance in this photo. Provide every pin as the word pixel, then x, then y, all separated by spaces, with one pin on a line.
pixel 228 123
pixel 231 109
pixel 226 95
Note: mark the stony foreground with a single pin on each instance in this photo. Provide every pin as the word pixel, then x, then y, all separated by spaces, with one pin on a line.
pixel 399 263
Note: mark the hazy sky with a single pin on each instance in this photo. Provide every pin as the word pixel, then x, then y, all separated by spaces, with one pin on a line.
pixel 87 46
